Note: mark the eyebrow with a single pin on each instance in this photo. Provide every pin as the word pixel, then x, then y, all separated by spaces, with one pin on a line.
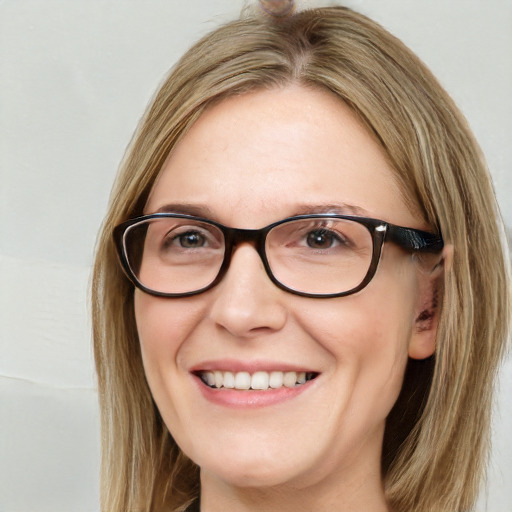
pixel 200 210
pixel 187 209
pixel 335 208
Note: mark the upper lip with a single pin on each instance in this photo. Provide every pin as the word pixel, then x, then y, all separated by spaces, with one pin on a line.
pixel 235 365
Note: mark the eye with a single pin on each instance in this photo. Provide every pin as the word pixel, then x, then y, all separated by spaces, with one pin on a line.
pixel 188 238
pixel 322 239
pixel 191 239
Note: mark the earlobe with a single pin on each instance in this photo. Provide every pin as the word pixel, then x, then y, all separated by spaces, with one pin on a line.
pixel 423 340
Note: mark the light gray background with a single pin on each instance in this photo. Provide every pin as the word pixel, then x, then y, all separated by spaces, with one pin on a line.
pixel 74 79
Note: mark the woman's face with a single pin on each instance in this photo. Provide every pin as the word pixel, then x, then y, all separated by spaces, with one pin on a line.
pixel 247 162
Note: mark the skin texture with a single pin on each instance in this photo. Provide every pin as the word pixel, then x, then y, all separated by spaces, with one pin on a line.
pixel 249 161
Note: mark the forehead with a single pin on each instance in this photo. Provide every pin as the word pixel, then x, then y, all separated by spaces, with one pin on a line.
pixel 252 159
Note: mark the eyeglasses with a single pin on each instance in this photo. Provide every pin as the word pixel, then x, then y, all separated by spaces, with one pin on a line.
pixel 321 255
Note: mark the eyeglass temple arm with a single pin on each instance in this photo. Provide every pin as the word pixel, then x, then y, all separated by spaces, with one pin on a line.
pixel 414 239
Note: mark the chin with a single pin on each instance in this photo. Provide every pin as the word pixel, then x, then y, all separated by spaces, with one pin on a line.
pixel 245 470
pixel 242 475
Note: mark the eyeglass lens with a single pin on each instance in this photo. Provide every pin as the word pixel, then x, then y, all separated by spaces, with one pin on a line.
pixel 315 255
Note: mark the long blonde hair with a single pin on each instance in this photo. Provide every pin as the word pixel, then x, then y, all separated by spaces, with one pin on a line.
pixel 437 436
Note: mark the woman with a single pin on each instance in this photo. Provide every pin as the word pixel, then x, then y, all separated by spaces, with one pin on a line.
pixel 312 301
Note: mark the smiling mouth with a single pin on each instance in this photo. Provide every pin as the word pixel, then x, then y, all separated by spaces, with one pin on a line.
pixel 260 381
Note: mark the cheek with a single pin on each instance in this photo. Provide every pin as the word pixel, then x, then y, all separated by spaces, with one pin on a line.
pixel 368 335
pixel 365 325
pixel 163 325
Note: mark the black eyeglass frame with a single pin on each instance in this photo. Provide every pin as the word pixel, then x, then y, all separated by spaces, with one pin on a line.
pixel 410 239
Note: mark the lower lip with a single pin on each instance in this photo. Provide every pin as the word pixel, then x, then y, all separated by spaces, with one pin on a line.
pixel 242 399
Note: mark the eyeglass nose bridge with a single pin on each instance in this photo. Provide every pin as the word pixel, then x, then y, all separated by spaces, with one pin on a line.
pixel 233 238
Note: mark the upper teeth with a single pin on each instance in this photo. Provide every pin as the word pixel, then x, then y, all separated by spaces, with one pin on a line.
pixel 259 380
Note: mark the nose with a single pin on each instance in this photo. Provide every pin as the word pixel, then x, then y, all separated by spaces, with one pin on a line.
pixel 246 302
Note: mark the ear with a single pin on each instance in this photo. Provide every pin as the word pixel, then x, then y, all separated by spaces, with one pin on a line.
pixel 432 275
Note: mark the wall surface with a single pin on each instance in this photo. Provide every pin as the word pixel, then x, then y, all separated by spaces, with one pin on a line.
pixel 75 77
